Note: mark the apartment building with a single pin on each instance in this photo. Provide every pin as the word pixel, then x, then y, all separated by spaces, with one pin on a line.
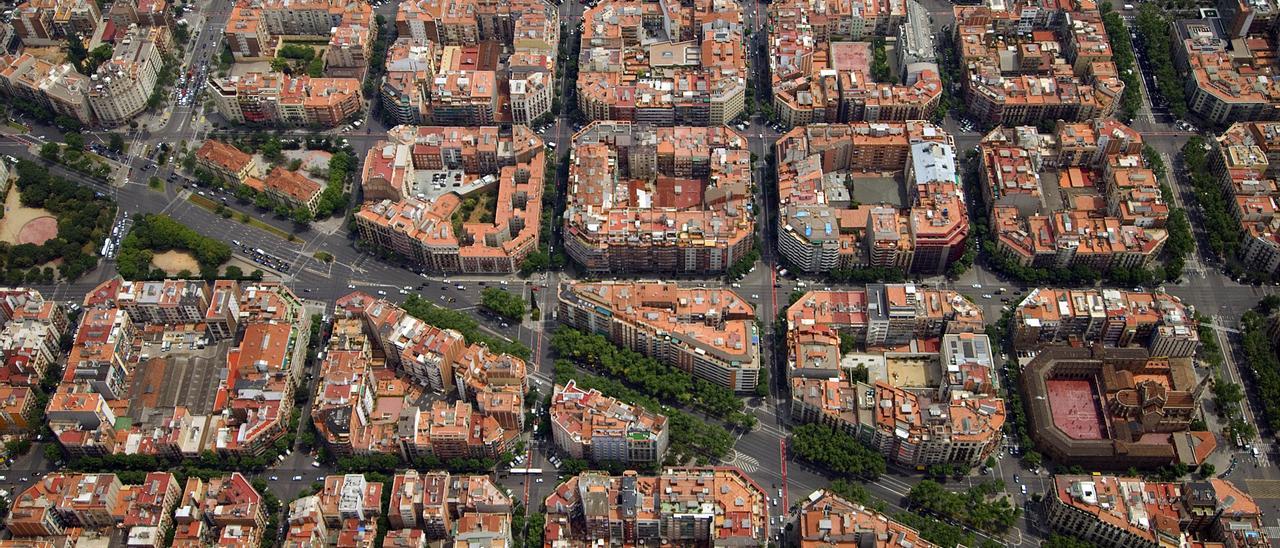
pixel 253 28
pixel 834 211
pixel 344 513
pixel 827 519
pixel 144 13
pixel 410 62
pixel 438 506
pixel 119 90
pixel 349 49
pixel 459 85
pixel 455 430
pixel 30 337
pixel 1063 72
pixel 16 405
pixel 680 506
pixel 220 511
pixel 1244 161
pixel 163 302
pixel 57 87
pixel 929 394
pixel 274 98
pixel 292 189
pixel 415 181
pixel 1114 511
pixel 227 161
pixel 1224 86
pixel 496 383
pixel 74 505
pixel 1156 321
pixel 246 35
pixel 668 199
pixel 692 70
pixel 257 359
pixel 51 22
pixel 1108 211
pixel 822 72
pixel 363 405
pixel 350 413
pixel 531 96
pixel 710 333
pixel 522 23
pixel 587 425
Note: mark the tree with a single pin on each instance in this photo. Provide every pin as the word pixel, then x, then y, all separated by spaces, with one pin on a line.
pixel 97 57
pixel 74 141
pixel 76 53
pixel 1226 394
pixel 315 68
pixel 50 151
pixel 272 151
pixel 836 450
pixel 115 142
pixel 301 215
pixel 503 303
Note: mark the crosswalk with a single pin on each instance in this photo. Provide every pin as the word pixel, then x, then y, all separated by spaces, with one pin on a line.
pixel 746 463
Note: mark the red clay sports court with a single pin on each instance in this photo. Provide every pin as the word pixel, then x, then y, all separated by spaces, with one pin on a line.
pixel 1075 411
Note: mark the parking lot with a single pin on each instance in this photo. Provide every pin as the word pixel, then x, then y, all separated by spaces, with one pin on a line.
pixel 262 257
pixel 180 376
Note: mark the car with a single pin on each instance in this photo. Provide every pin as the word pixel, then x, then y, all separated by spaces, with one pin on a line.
pixel 461 287
pixel 25 479
pixel 351 286
pixel 986 295
pixel 1017 478
pixel 315 464
pixel 755 296
pixel 539 480
pixel 297 478
pixel 382 293
pixel 977 286
pixel 275 478
pixel 504 325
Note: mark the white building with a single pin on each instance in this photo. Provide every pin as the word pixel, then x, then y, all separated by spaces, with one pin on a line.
pixel 121 87
pixel 531 97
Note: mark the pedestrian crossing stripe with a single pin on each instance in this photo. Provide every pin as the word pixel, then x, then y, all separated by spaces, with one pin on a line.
pixel 1263 489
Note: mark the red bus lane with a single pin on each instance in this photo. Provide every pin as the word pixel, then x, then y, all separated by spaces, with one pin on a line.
pixel 782 454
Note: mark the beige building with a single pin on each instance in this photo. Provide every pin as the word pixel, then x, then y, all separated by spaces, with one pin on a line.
pixel 710 333
pixel 121 87
pixel 531 97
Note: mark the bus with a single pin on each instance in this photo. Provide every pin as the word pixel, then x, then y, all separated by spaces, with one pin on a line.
pixel 529 471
